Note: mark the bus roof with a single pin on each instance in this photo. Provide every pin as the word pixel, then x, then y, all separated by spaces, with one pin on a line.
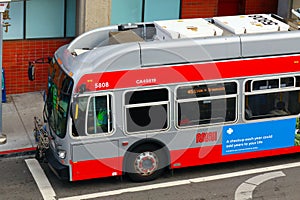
pixel 143 45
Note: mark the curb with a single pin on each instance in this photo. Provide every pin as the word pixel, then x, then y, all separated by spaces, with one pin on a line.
pixel 18 152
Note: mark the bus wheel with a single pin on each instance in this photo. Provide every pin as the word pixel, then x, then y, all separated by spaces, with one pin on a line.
pixel 146 163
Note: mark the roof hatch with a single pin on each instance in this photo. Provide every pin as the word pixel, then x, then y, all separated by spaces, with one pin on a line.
pixel 186 28
pixel 243 24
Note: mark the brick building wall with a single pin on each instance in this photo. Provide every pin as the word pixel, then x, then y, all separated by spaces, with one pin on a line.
pixel 17 54
pixel 198 8
pixel 261 6
pixel 204 8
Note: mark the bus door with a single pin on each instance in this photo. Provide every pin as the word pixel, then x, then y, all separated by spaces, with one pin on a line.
pixel 94 154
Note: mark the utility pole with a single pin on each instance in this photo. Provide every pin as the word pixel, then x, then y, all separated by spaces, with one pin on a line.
pixel 3 5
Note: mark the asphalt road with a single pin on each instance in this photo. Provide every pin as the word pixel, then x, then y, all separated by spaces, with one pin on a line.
pixel 16 181
pixel 259 179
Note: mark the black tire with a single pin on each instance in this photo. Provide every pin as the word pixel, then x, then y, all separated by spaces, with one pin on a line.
pixel 146 162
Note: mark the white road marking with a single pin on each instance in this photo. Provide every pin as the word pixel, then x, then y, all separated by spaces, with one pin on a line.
pixel 245 190
pixel 183 182
pixel 41 180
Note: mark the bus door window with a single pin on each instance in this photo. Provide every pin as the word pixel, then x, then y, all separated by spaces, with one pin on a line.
pixel 99 110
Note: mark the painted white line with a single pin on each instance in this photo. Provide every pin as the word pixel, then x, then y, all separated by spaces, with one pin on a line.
pixel 259 179
pixel 245 190
pixel 41 180
pixel 184 182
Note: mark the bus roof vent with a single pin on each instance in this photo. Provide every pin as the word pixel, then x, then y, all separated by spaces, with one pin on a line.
pixel 243 24
pixel 186 28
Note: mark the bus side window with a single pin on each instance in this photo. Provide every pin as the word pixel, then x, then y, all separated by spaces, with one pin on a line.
pixel 248 112
pixel 99 115
pixel 273 104
pixel 147 110
pixel 206 104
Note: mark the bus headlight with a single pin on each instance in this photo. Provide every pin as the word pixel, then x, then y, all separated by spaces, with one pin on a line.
pixel 61 153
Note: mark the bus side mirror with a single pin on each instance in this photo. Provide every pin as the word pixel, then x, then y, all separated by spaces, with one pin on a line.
pixel 31 72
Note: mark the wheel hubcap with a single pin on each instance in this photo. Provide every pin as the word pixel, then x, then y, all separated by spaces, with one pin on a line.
pixel 146 163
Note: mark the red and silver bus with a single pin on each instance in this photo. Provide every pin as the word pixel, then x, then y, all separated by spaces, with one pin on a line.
pixel 138 99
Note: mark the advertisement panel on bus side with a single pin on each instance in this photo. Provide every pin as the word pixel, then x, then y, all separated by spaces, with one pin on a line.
pixel 259 136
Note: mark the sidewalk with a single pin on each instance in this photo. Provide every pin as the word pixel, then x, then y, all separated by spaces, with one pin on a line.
pixel 17 123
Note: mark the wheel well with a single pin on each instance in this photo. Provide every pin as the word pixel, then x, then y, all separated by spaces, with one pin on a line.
pixel 153 142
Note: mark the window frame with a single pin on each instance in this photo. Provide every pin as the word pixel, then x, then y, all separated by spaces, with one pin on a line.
pixel 67 31
pixel 205 98
pixel 279 78
pixel 266 91
pixel 140 105
pixel 111 116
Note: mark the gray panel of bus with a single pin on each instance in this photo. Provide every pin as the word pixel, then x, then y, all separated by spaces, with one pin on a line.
pixel 95 150
pixel 110 58
pixel 92 39
pixel 189 50
pixel 270 44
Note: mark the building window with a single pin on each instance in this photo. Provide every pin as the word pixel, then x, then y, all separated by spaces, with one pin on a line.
pixel 161 10
pixel 41 19
pixel 16 21
pixel 123 12
pixel 144 10
pixel 44 19
pixel 70 13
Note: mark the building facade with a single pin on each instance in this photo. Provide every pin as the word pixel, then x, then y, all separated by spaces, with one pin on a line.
pixel 36 28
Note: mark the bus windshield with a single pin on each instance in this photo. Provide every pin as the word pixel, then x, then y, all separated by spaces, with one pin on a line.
pixel 60 87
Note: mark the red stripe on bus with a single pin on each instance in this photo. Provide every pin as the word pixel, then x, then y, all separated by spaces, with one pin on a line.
pixel 179 158
pixel 186 73
pixel 213 154
pixel 96 168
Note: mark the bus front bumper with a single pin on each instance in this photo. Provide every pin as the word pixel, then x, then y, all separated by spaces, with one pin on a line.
pixel 61 171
